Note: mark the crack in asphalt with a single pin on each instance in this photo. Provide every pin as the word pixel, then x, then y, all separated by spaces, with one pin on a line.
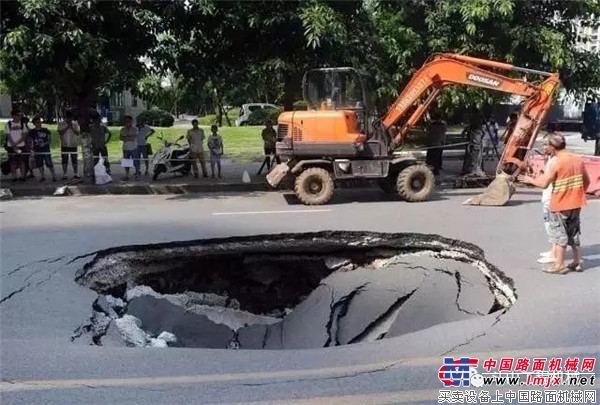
pixel 471 339
pixel 26 281
pixel 23 266
pixel 15 292
pixel 458 279
pixel 382 318
pixel 80 330
pixel 338 311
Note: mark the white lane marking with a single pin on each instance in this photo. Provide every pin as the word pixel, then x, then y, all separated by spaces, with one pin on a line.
pixel 269 212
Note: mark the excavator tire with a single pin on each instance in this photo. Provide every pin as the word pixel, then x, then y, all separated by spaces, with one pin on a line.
pixel 415 183
pixel 314 186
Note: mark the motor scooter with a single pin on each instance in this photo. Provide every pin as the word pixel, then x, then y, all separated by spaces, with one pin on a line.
pixel 172 158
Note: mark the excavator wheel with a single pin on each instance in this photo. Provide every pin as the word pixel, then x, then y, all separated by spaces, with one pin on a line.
pixel 415 183
pixel 314 186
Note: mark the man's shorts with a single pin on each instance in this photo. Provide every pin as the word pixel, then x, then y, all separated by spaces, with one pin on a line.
pixel 565 227
pixel 43 158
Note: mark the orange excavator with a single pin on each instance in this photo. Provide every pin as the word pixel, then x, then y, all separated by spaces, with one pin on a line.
pixel 341 137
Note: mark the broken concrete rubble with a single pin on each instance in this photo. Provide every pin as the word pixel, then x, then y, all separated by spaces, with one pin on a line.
pixel 130 329
pixel 288 292
pixel 155 342
pixel 167 337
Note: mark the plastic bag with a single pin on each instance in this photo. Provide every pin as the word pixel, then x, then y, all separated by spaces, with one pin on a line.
pixel 246 177
pixel 127 163
pixel 100 173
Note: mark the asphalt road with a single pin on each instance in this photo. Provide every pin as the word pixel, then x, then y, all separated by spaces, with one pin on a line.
pixel 41 305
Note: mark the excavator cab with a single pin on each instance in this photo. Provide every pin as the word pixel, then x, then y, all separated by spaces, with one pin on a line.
pixel 341 88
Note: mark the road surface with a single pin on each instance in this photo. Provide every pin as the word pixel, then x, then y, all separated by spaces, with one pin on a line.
pixel 41 305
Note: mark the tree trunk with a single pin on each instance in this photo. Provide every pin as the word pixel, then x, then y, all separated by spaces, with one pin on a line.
pixel 292 87
pixel 84 102
pixel 226 116
pixel 218 107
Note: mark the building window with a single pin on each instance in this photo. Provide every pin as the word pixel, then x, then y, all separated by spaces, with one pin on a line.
pixel 116 99
pixel 134 101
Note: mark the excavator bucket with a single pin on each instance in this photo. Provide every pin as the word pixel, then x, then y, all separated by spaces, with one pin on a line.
pixel 498 193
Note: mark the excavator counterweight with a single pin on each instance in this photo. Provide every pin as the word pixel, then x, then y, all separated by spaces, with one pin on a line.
pixel 341 138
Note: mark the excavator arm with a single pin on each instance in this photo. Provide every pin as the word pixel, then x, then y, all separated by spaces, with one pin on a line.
pixel 451 69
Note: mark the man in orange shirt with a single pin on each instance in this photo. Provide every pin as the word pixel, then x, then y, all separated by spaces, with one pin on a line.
pixel 569 181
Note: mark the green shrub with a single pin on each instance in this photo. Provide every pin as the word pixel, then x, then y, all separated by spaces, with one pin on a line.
pixel 300 105
pixel 207 120
pixel 258 117
pixel 234 113
pixel 156 118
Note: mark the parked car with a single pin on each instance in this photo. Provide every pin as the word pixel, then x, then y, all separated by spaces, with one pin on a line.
pixel 247 109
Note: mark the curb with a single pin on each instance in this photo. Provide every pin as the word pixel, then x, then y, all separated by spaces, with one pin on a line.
pixel 186 188
pixel 138 189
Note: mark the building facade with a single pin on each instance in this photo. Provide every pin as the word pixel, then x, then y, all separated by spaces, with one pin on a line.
pixel 118 104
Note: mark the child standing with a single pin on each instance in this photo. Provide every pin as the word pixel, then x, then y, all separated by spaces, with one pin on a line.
pixel 547 257
pixel 215 146
pixel 40 138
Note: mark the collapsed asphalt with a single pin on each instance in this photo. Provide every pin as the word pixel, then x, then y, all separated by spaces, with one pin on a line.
pixel 264 292
pixel 45 242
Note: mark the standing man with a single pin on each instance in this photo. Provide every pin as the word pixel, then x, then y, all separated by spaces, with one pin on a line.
pixel 100 137
pixel 15 134
pixel 510 126
pixel 436 137
pixel 591 125
pixel 69 133
pixel 145 131
pixel 569 181
pixel 195 138
pixel 269 136
pixel 129 136
pixel 472 166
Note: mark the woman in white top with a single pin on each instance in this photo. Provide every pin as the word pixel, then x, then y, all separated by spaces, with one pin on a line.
pixel 16 137
pixel 547 257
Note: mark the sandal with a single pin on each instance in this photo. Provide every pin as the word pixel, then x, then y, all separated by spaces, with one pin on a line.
pixel 575 267
pixel 554 270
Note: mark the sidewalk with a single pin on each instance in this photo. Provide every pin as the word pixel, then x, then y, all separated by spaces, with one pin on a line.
pixel 166 184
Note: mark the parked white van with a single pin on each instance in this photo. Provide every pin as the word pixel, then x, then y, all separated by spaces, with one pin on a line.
pixel 247 109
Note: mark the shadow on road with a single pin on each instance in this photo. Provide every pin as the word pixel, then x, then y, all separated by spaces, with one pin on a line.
pixel 215 195
pixel 348 196
pixel 591 250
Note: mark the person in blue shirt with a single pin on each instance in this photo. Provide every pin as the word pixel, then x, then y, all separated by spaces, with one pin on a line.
pixel 591 125
pixel 40 139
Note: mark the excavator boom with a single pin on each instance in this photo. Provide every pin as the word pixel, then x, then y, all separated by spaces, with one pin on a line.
pixel 450 69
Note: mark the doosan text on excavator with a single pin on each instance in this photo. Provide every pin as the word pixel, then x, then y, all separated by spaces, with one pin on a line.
pixel 340 137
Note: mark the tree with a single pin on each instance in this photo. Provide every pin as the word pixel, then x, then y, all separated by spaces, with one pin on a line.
pixel 79 48
pixel 539 35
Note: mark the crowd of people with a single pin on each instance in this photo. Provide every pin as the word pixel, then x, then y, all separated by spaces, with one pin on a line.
pixel 29 148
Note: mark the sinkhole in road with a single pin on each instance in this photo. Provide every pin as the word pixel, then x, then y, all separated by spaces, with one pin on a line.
pixel 287 291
